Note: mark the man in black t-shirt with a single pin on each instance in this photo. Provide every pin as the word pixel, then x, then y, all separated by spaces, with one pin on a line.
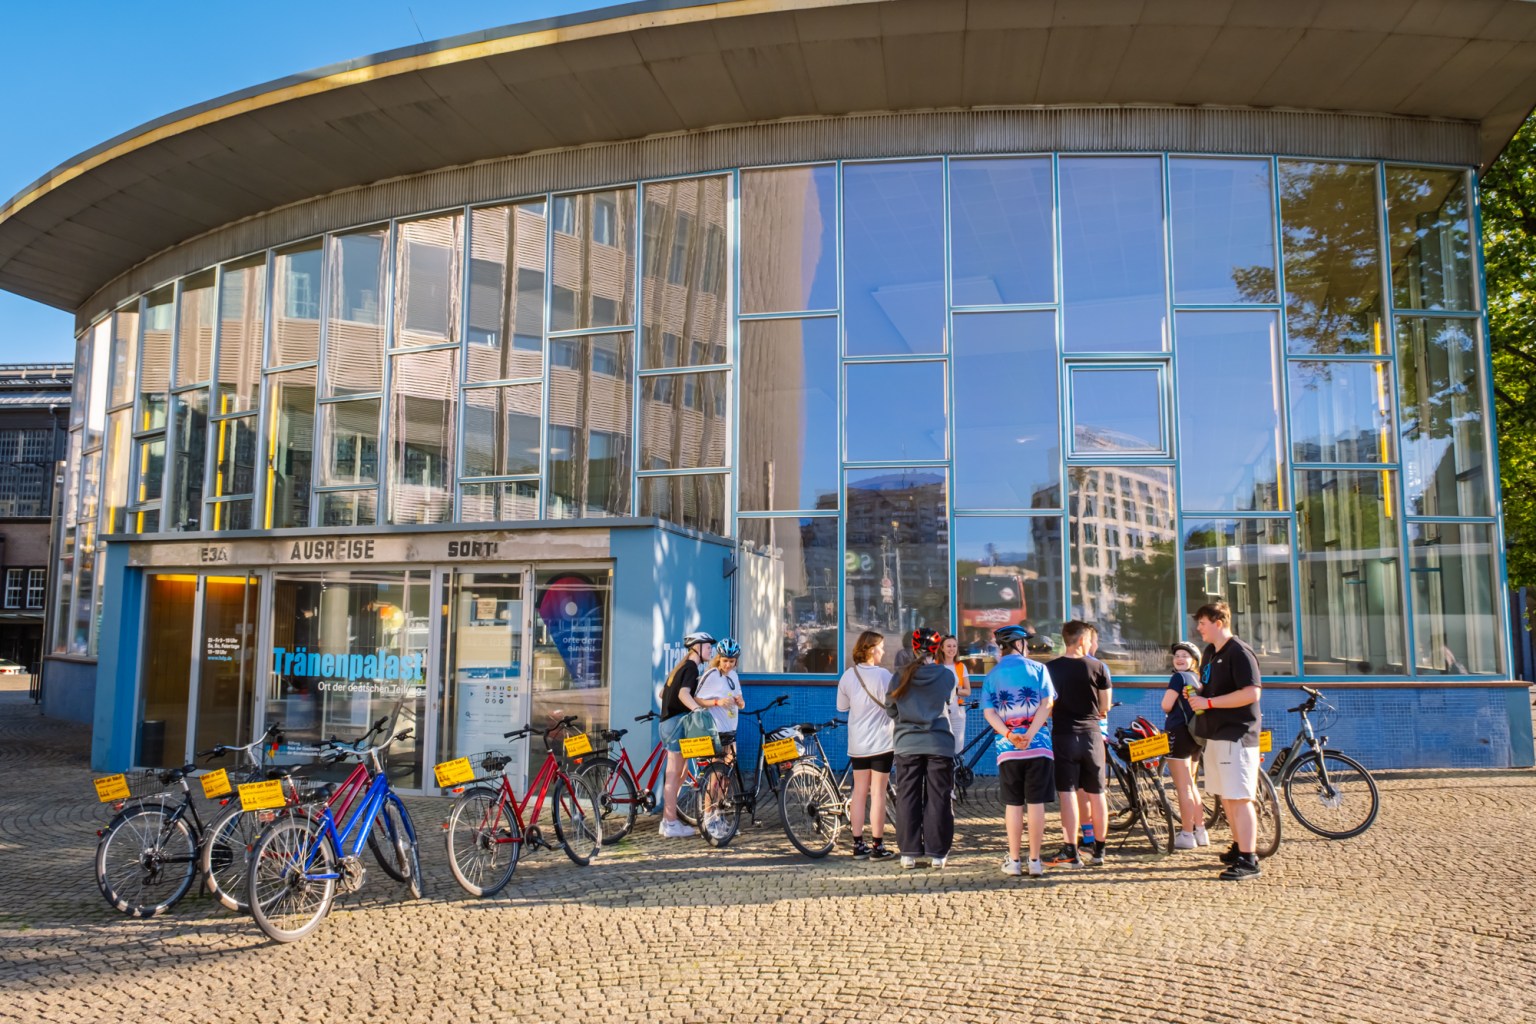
pixel 1083 697
pixel 1229 692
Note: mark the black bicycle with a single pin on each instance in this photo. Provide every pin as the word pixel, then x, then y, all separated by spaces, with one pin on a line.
pixel 1136 796
pixel 970 756
pixel 1330 793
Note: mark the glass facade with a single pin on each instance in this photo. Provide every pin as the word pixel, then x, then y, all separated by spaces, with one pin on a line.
pixel 940 391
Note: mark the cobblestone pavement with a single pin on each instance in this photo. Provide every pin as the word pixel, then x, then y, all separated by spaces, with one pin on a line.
pixel 1428 916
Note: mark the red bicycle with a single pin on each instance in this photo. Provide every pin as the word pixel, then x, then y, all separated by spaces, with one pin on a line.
pixel 488 825
pixel 619 787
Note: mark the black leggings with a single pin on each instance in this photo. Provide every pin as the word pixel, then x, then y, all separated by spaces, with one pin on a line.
pixel 925 818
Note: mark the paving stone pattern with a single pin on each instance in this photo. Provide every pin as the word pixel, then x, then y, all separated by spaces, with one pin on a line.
pixel 1427 917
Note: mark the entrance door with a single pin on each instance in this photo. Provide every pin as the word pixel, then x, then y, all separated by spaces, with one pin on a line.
pixel 485 691
pixel 226 662
pixel 166 680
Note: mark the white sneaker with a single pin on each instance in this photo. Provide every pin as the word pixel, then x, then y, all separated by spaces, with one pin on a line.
pixel 1036 869
pixel 937 863
pixel 908 862
pixel 1012 867
pixel 1184 841
pixel 675 829
pixel 1201 839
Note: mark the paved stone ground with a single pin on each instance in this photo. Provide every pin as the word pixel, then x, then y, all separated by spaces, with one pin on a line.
pixel 1427 917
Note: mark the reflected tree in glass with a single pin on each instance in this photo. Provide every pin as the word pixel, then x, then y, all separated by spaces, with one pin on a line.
pixel 1340 411
pixel 1430 238
pixel 1330 237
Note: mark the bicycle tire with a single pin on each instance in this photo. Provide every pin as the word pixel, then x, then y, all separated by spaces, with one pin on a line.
pixel 719 804
pixel 616 795
pixel 1266 808
pixel 1346 807
pixel 387 842
pixel 225 856
pixel 286 903
pixel 688 795
pixel 811 809
pixel 484 841
pixel 1153 810
pixel 578 819
pixel 1119 797
pixel 146 862
pixel 401 836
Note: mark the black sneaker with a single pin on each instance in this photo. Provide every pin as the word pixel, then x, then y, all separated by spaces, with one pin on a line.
pixel 1096 857
pixel 1231 856
pixel 877 851
pixel 860 848
pixel 1246 867
pixel 1066 855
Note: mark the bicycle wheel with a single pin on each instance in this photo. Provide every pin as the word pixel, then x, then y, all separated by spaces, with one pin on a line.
pixel 688 795
pixel 615 796
pixel 484 841
pixel 811 809
pixel 286 901
pixel 1154 812
pixel 1118 795
pixel 719 804
pixel 1267 810
pixel 578 819
pixel 393 841
pixel 145 862
pixel 1331 794
pixel 224 858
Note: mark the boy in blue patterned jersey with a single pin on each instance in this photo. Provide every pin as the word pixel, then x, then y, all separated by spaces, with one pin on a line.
pixel 1016 701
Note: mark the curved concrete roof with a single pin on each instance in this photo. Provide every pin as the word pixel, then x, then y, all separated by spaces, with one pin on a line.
pixel 669 66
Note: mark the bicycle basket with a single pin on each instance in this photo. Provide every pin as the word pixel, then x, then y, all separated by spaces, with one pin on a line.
pixel 489 765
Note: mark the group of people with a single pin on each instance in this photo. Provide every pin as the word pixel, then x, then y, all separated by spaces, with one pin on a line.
pixel 1050 721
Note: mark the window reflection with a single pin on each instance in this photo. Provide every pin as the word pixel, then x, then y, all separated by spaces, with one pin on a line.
pixel 683 420
pixel 118 456
pixel 291 398
pixel 787 586
pixel 506 313
pixel 499 501
pixel 234 457
pixel 1340 411
pixel 1430 235
pixel 1007 572
pixel 594 283
pixel 1117 411
pixel 588 434
pixel 349 508
pixel 354 341
pixel 1007 451
pixel 194 330
pixel 1114 287
pixel 296 305
pixel 684 284
pixel 1443 429
pixel 242 318
pixel 231 515
pixel 155 358
pixel 1455 618
pixel 1231 450
pixel 125 354
pixel 427 257
pixel 423 388
pixel 351 442
pixel 1223 217
pixel 1330 236
pixel 893 261
pixel 1246 563
pixel 101 365
pixel 789 411
pixel 186 507
pixel 898 531
pixel 696 500
pixel 789 239
pixel 502 432
pixel 1121 536
pixel 1002 227
pixel 895 412
pixel 1350 565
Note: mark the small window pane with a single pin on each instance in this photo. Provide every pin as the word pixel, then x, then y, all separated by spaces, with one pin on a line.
pixel 234 457
pixel 151 469
pixel 422 412
pixel 231 515
pixel 502 434
pixel 893 266
pixel 194 330
pixel 242 316
pixel 1117 412
pixel 684 421
pixel 789 239
pixel 349 508
pixel 898 530
pixel 494 502
pixel 685 296
pixel 125 354
pixel 788 414
pixel 118 454
pixel 506 314
pixel 895 412
pixel 82 614
pixel 1340 412
pixel 427 255
pixel 1007 452
pixel 296 305
pixel 1430 237
pixel 1350 563
pixel 81 395
pixel 1246 563
pixel 292 409
pixel 1121 538
pixel 1444 430
pixel 588 436
pixel 1231 449
pixel 101 366
pixel 1330 236
pixel 351 431
pixel 155 358
pixel 185 511
pixel 594 284
pixel 696 500
pixel 354 341
pixel 1001 223
pixel 1223 231
pixel 1113 280
pixel 1007 572
pixel 1455 594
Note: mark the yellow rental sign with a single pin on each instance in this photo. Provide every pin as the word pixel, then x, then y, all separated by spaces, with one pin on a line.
pixel 261 796
pixel 1152 746
pixel 215 784
pixel 451 773
pixel 1266 742
pixel 780 750
pixel 111 787
pixel 577 745
pixel 697 746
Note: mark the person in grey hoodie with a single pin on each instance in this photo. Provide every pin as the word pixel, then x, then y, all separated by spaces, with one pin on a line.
pixel 924 755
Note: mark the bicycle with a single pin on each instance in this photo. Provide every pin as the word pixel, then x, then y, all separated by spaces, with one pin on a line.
pixel 618 787
pixel 811 804
pixel 1324 781
pixel 1136 796
pixel 970 756
pixel 300 861
pixel 487 826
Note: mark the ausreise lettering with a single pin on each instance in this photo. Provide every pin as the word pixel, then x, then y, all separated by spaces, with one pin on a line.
pixel 345 549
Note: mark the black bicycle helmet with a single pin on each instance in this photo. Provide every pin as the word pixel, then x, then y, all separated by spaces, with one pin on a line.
pixel 1188 647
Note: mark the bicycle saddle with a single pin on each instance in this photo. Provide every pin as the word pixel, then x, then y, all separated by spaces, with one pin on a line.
pixel 612 735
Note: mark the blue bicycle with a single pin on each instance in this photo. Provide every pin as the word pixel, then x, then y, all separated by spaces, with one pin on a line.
pixel 301 861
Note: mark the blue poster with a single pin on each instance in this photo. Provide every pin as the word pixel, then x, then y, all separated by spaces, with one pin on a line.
pixel 572 613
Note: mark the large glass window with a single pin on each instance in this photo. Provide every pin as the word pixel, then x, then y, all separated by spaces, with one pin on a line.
pixel 1350 564
pixel 1246 563
pixel 423 410
pixel 194 330
pixel 1444 430
pixel 594 283
pixel 1002 230
pixel 155 358
pixel 1117 410
pixel 896 560
pixel 291 398
pixel 1229 412
pixel 787 584
pixel 125 354
pixel 1113 280
pixel 1121 538
pixel 502 432
pixel 351 432
pixel 789 239
pixel 1008 572
pixel 242 318
pixel 1006 420
pixel 1330 235
pixel 893 261
pixel 683 422
pixel 896 412
pixel 354 338
pixel 695 500
pixel 427 254
pixel 185 511
pixel 1430 227
pixel 588 435
pixel 1455 576
pixel 684 288
pixel 296 305
pixel 1340 411
pixel 506 292
pixel 788 414
pixel 1223 231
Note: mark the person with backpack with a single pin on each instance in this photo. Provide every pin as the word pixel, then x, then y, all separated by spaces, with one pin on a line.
pixel 1183 747
pixel 1016 700
pixel 677 703
pixel 924 759
pixel 861 694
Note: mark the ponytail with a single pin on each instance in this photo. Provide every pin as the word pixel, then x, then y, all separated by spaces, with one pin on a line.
pixel 900 689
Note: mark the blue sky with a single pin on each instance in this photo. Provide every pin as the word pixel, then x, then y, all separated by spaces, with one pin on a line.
pixel 76 74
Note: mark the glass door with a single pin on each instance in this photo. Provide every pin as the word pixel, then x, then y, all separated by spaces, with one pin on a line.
pixel 572 609
pixel 226 662
pixel 485 692
pixel 166 679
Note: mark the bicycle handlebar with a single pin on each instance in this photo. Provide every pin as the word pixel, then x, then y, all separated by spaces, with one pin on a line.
pixel 777 702
pixel 649 716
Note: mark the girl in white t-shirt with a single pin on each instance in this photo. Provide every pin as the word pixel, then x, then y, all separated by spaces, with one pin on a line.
pixel 719 690
pixel 861 692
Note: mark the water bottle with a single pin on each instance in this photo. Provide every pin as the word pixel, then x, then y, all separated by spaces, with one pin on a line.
pixel 1189 694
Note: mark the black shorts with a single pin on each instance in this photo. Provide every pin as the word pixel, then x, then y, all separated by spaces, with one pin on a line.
pixel 1181 744
pixel 877 763
pixel 1026 780
pixel 1079 758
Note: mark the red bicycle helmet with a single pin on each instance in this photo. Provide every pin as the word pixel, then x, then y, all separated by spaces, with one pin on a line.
pixel 1142 729
pixel 925 641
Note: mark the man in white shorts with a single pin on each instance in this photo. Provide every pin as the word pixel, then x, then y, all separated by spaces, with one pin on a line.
pixel 1229 700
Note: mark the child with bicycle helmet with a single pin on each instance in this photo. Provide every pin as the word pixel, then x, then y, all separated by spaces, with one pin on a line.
pixel 862 693
pixel 677 701
pixel 719 691
pixel 924 761
pixel 1182 746
pixel 1016 701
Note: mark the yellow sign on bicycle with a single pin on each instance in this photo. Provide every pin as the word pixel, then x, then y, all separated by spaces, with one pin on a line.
pixel 1150 747
pixel 697 746
pixel 781 750
pixel 577 745
pixel 111 787
pixel 215 784
pixel 261 796
pixel 451 773
pixel 1266 742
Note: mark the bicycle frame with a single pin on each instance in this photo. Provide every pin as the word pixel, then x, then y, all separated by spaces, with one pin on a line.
pixel 548 772
pixel 1305 736
pixel 349 840
pixel 653 765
